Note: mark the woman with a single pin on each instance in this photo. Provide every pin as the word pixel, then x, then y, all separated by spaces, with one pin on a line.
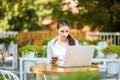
pixel 56 48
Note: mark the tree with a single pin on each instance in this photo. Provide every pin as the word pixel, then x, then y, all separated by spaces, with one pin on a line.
pixel 103 14
pixel 19 15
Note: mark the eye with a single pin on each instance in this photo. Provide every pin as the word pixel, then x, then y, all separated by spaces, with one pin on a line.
pixel 67 31
pixel 62 31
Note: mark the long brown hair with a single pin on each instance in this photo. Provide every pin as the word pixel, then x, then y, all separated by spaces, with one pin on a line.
pixel 61 23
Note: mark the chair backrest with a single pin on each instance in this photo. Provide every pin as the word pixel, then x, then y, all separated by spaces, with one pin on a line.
pixel 26 42
pixel 8 75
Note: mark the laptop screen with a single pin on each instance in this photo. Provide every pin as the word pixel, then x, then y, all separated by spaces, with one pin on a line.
pixel 78 56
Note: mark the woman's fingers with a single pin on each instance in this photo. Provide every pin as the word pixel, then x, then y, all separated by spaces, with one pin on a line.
pixel 54 60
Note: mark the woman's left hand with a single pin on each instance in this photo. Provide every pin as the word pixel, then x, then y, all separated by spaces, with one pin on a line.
pixel 54 60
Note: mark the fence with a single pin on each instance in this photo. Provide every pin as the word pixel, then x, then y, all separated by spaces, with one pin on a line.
pixel 110 37
pixel 38 37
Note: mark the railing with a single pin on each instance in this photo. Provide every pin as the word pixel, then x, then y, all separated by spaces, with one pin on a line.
pixel 12 47
pixel 110 37
pixel 8 34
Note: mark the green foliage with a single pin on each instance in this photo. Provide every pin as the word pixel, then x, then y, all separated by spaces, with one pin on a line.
pixel 19 15
pixel 45 41
pixel 84 42
pixel 28 48
pixel 95 42
pixel 7 40
pixel 23 15
pixel 86 75
pixel 14 39
pixel 89 42
pixel 42 53
pixel 105 14
pixel 1 77
pixel 1 40
pixel 95 53
pixel 111 49
pixel 39 52
pixel 81 75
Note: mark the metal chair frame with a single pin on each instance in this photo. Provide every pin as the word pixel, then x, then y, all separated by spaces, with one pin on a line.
pixel 7 75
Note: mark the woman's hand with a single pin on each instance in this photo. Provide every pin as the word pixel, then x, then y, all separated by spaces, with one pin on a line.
pixel 54 60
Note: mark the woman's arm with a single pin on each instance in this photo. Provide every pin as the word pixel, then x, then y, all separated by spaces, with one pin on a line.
pixel 51 59
pixel 76 43
pixel 49 53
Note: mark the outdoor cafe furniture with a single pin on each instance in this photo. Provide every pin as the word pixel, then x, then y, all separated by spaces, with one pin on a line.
pixel 7 75
pixel 3 51
pixel 25 68
pixel 12 50
pixel 49 69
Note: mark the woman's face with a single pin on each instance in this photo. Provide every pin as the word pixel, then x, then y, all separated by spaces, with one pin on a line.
pixel 63 32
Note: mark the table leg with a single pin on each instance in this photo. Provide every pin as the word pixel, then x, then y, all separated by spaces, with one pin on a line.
pixel 21 69
pixel 44 77
pixel 36 77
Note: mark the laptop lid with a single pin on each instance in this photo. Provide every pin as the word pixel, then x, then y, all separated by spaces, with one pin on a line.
pixel 78 56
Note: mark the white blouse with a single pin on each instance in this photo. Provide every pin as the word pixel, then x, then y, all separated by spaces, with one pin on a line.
pixel 55 50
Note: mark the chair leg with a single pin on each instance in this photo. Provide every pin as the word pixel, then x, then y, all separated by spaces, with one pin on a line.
pixel 25 76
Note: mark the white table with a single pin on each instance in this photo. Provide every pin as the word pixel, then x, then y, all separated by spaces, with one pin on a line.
pixel 104 60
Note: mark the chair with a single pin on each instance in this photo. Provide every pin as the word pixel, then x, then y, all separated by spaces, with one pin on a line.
pixel 26 42
pixel 3 51
pixel 8 75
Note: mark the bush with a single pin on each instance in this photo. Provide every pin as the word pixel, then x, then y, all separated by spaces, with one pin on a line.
pixel 45 41
pixel 7 40
pixel 81 75
pixel 42 53
pixel 39 52
pixel 111 49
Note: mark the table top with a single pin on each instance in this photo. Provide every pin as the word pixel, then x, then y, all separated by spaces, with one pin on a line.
pixel 50 69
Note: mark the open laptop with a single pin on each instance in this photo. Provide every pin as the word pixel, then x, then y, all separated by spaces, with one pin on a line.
pixel 78 56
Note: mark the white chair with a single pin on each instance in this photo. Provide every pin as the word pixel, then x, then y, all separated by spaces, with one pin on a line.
pixel 3 51
pixel 12 54
pixel 8 75
pixel 11 48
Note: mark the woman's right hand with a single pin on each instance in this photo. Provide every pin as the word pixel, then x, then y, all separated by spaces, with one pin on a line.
pixel 54 60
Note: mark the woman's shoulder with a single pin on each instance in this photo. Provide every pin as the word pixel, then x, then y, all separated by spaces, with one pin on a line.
pixel 52 41
pixel 76 42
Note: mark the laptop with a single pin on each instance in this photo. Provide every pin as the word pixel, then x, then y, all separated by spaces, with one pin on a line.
pixel 78 56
